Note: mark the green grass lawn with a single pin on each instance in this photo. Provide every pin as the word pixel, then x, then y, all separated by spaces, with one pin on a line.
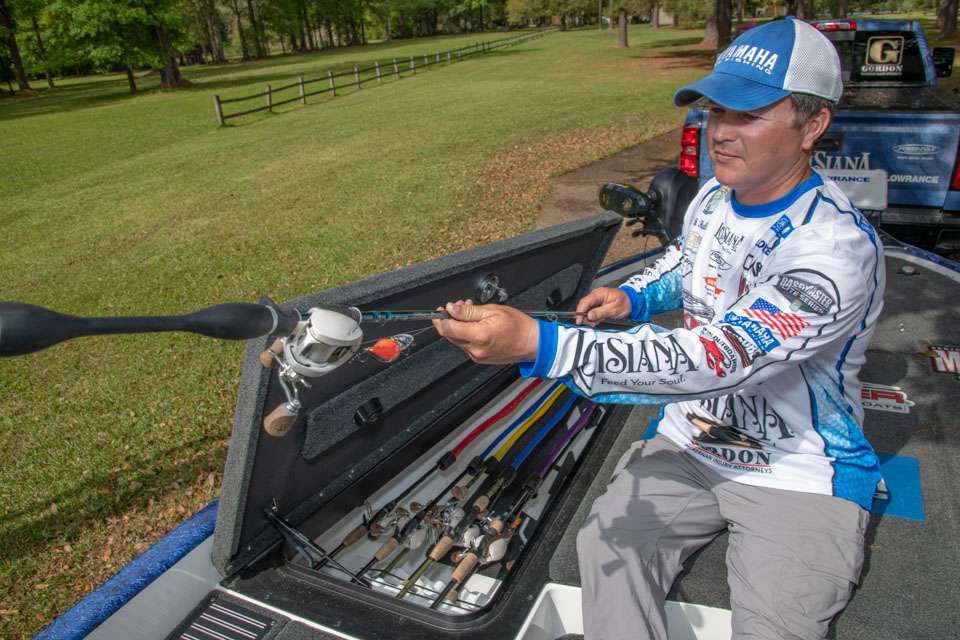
pixel 114 204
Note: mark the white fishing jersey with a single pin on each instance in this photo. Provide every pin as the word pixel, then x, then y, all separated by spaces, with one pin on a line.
pixel 779 302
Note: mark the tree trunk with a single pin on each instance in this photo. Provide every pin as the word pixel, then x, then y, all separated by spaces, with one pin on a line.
pixel 42 50
pixel 841 9
pixel 131 81
pixel 255 24
pixel 244 50
pixel 717 32
pixel 655 16
pixel 949 20
pixel 10 26
pixel 722 10
pixel 214 27
pixel 170 77
pixel 805 9
pixel 791 7
pixel 710 37
pixel 622 29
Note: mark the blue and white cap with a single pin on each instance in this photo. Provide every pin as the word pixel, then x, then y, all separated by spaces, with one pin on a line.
pixel 768 63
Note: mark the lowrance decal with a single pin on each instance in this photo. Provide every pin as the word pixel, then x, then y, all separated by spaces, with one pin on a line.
pixel 901 178
pixel 881 397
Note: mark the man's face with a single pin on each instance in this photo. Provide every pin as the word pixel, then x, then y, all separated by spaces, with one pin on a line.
pixel 752 150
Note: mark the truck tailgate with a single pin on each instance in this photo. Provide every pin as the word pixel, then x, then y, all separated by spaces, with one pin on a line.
pixel 917 150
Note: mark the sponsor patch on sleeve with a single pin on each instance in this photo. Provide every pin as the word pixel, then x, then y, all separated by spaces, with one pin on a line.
pixel 758 334
pixel 805 295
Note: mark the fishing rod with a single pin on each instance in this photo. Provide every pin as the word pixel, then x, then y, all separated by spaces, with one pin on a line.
pixel 485 458
pixel 402 535
pixel 492 545
pixel 452 534
pixel 26 328
pixel 369 526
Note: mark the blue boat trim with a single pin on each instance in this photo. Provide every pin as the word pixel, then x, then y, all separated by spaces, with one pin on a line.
pixel 106 599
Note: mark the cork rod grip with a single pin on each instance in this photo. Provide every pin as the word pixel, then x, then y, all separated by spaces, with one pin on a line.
pixel 465 567
pixel 441 548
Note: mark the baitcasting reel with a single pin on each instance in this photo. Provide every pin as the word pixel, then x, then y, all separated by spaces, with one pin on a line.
pixel 326 339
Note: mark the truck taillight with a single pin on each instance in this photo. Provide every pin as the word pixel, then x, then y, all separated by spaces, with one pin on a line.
pixel 836 25
pixel 690 151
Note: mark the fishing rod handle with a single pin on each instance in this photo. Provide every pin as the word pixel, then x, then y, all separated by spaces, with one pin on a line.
pixel 354 536
pixel 26 328
pixel 386 549
pixel 465 567
pixel 441 549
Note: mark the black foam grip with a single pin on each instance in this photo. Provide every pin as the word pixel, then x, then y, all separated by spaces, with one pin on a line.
pixel 448 459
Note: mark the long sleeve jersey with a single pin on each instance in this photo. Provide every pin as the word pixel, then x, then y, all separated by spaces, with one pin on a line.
pixel 779 302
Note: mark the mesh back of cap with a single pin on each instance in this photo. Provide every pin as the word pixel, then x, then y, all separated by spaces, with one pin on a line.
pixel 814 66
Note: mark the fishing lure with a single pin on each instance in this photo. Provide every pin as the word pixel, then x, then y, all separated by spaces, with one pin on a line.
pixel 389 349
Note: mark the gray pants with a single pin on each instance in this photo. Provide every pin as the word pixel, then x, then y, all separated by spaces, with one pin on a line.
pixel 792 560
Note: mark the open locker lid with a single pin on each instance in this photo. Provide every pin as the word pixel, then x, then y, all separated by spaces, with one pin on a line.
pixel 362 420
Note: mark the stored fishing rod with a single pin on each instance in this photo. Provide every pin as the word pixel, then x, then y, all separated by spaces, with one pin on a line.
pixel 369 525
pixel 414 523
pixel 503 479
pixel 511 434
pixel 492 546
pixel 26 328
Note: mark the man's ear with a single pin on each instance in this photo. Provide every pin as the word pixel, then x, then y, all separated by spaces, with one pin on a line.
pixel 814 128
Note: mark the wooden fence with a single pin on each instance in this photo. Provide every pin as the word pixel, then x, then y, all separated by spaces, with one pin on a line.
pixel 358 76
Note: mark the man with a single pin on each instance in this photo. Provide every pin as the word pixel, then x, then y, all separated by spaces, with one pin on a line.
pixel 781 282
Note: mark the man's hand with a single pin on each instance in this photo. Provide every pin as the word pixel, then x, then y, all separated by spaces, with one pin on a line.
pixel 601 304
pixel 490 333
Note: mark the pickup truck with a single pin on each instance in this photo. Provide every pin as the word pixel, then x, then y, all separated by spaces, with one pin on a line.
pixel 893 144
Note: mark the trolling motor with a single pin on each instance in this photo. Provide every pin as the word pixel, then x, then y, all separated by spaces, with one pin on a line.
pixel 660 209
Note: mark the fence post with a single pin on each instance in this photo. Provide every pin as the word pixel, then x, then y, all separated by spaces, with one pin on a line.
pixel 333 85
pixel 269 99
pixel 426 61
pixel 438 56
pixel 356 75
pixel 413 65
pixel 303 91
pixel 396 68
pixel 448 57
pixel 376 65
pixel 219 108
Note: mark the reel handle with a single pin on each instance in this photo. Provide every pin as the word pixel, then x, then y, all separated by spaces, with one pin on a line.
pixel 278 422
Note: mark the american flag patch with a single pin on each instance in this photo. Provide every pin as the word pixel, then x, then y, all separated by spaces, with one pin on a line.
pixel 786 324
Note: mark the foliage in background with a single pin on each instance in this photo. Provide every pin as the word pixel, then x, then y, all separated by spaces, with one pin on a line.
pixel 43 38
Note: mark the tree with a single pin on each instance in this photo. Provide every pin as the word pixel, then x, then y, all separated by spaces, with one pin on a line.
pixel 9 27
pixel 124 34
pixel 717 32
pixel 948 12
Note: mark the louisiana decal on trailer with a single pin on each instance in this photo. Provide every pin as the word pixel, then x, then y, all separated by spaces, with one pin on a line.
pixel 881 397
